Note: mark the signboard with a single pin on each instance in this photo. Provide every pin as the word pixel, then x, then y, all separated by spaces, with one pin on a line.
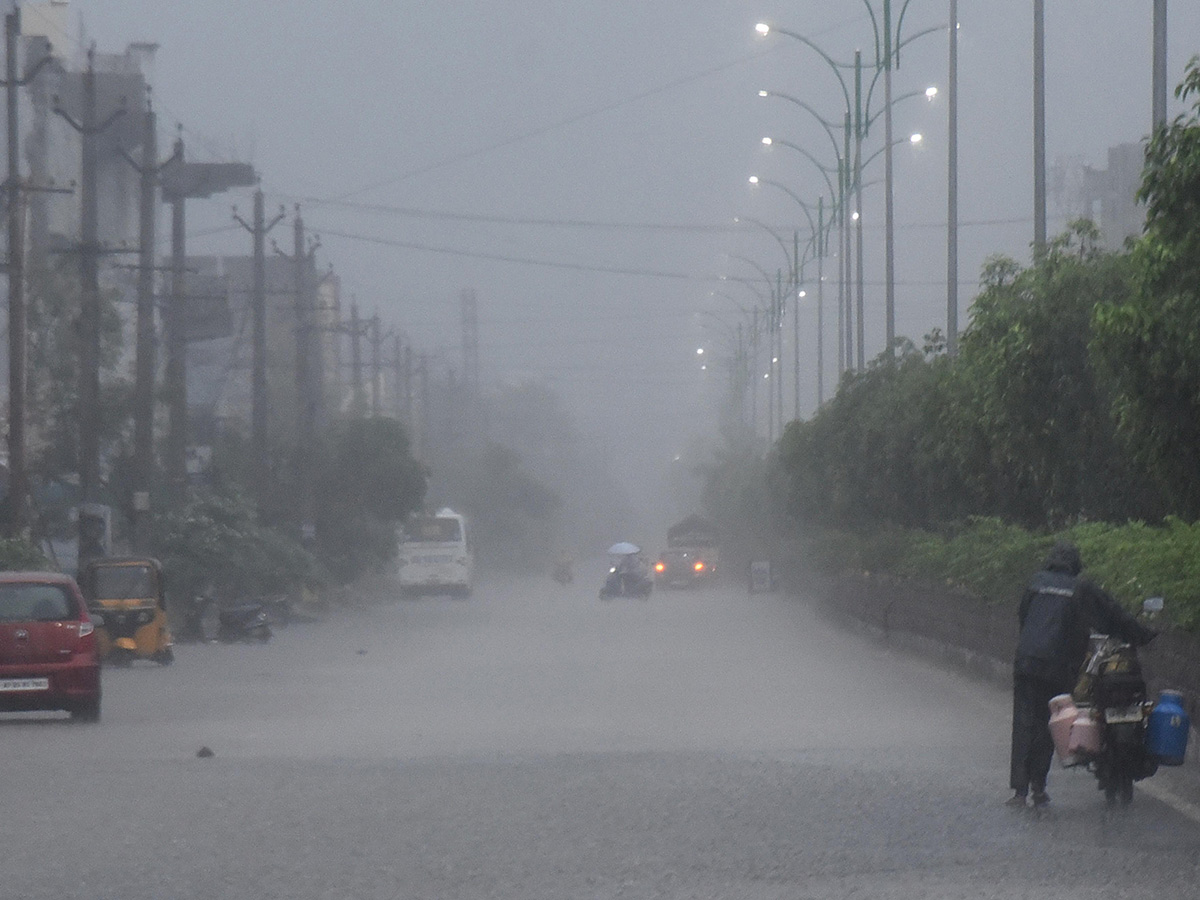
pixel 198 180
pixel 761 579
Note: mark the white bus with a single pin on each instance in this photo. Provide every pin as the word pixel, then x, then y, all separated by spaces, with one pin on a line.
pixel 435 555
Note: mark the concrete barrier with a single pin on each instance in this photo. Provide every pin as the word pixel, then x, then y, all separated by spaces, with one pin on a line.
pixel 957 628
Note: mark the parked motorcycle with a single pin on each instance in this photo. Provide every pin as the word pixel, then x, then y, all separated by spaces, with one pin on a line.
pixel 1109 725
pixel 207 621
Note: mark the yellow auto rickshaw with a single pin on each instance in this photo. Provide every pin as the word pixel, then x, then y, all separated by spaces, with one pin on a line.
pixel 126 597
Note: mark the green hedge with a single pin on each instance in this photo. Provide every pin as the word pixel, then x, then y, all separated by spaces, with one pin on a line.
pixel 993 560
pixel 17 554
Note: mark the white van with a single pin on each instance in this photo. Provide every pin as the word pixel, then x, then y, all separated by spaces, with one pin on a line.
pixel 435 555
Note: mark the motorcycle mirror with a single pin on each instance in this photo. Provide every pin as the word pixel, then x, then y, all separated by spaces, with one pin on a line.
pixel 1152 605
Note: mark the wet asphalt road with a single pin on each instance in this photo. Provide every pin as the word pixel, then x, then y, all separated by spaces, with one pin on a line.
pixel 534 742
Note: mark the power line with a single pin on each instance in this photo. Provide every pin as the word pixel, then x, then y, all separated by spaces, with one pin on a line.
pixel 537 132
pixel 559 264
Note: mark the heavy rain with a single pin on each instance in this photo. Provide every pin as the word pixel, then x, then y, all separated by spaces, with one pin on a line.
pixel 602 450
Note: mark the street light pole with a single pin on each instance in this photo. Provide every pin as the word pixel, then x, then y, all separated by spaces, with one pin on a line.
pixel 860 359
pixel 838 213
pixel 846 273
pixel 952 190
pixel 888 206
pixel 1039 127
pixel 1160 64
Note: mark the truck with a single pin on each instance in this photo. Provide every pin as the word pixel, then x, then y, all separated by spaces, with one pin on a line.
pixel 691 556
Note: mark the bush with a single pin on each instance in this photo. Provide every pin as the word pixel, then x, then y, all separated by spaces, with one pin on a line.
pixel 993 560
pixel 213 543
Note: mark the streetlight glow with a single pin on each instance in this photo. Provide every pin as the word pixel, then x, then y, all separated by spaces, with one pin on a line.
pixel 916 138
pixel 699 351
pixel 763 29
pixel 753 180
pixel 931 92
pixel 767 141
pixel 803 294
pixel 764 93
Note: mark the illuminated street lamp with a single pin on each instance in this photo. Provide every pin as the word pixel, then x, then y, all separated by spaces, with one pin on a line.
pixel 885 59
pixel 817 246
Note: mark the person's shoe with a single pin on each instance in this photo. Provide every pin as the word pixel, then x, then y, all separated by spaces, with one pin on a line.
pixel 1040 799
pixel 1016 801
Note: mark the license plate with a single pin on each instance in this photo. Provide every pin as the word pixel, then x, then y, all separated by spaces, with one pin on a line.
pixel 24 684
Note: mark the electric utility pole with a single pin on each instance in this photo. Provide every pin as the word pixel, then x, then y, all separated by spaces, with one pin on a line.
pixel 182 181
pixel 302 256
pixel 89 323
pixel 423 431
pixel 376 364
pixel 408 387
pixel 397 377
pixel 18 316
pixel 145 365
pixel 358 401
pixel 259 399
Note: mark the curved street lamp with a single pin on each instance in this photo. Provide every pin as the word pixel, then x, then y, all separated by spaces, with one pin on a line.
pixel 862 121
pixel 817 246
pixel 774 324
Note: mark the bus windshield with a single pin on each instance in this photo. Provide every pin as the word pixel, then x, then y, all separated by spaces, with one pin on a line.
pixel 433 530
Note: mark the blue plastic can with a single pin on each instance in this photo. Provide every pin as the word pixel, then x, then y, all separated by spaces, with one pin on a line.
pixel 1167 729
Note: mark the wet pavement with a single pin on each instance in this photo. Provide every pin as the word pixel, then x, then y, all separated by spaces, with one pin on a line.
pixel 536 742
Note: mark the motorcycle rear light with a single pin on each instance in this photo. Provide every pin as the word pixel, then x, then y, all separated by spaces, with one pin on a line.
pixel 660 567
pixel 699 567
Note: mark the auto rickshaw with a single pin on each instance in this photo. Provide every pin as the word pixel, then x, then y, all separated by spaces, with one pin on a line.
pixel 127 597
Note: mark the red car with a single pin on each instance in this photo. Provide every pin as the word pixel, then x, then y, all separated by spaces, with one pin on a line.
pixel 48 656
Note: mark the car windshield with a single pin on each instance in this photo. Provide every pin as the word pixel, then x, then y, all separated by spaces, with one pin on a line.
pixel 34 603
pixel 123 582
pixel 433 531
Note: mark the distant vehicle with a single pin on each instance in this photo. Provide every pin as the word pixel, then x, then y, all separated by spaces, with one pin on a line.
pixel 435 555
pixel 691 556
pixel 127 600
pixel 628 574
pixel 48 653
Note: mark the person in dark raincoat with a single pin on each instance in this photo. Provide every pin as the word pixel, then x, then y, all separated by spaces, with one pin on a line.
pixel 1058 612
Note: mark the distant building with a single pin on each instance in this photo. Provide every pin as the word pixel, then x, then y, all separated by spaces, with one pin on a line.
pixel 220 348
pixel 1106 196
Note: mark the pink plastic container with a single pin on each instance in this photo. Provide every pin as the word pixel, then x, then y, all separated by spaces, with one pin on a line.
pixel 1063 714
pixel 1085 739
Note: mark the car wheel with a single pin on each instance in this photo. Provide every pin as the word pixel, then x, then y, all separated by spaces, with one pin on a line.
pixel 87 712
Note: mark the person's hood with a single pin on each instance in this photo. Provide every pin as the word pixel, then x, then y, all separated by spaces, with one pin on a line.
pixel 1064 557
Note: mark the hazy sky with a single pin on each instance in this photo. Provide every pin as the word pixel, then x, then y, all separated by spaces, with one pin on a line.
pixel 580 165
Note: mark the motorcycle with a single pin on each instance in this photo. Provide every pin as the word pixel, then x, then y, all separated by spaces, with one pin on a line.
pixel 627 578
pixel 207 621
pixel 1109 726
